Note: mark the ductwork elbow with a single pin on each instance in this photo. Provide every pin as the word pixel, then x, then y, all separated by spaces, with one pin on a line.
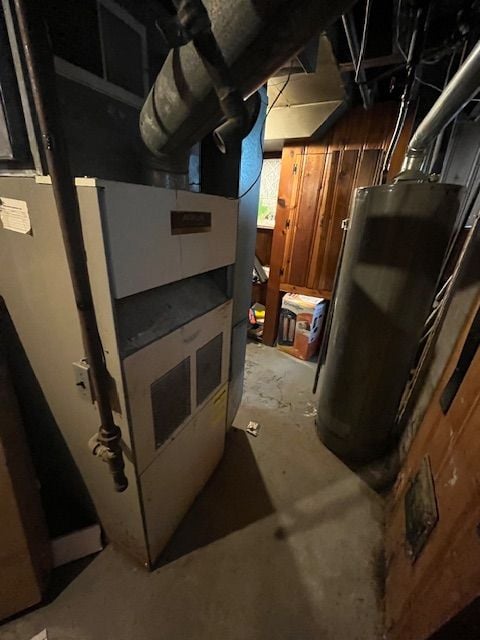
pixel 256 38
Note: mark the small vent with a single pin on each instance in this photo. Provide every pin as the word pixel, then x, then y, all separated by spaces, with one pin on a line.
pixel 209 368
pixel 170 401
pixel 464 361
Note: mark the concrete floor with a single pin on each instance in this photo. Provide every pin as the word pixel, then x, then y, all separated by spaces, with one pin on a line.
pixel 284 543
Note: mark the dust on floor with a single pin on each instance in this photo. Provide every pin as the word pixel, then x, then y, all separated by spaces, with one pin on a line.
pixel 284 543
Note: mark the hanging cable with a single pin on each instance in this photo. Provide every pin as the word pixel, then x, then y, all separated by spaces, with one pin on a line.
pixel 261 134
pixel 397 30
pixel 363 44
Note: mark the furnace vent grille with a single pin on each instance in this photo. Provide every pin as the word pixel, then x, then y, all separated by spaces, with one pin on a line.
pixel 209 368
pixel 170 401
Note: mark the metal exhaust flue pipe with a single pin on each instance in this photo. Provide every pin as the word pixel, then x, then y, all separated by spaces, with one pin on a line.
pixel 256 38
pixel 456 95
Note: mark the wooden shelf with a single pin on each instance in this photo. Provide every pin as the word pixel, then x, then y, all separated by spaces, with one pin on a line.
pixel 304 291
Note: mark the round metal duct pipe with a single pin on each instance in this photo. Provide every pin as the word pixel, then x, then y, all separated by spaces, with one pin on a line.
pixel 256 37
pixel 393 255
pixel 464 85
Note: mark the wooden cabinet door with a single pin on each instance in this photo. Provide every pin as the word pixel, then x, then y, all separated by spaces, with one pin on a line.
pixel 303 222
pixel 335 208
pixel 321 201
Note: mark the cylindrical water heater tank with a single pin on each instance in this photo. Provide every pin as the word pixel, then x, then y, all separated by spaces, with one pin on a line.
pixel 394 250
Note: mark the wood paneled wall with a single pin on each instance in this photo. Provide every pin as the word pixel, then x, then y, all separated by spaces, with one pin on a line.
pixel 263 246
pixel 316 186
pixel 422 595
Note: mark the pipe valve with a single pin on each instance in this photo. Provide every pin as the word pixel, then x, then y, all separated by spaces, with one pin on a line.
pixel 108 449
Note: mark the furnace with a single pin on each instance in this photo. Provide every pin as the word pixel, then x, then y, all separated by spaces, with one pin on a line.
pixel 160 264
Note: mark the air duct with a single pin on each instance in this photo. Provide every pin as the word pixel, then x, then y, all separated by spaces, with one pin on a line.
pixel 256 38
pixel 305 105
pixel 456 95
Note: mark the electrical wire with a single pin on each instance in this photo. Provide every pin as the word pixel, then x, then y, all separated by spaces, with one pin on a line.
pixel 397 31
pixel 439 89
pixel 261 134
pixel 279 94
pixel 361 54
pixel 449 68
pixel 428 84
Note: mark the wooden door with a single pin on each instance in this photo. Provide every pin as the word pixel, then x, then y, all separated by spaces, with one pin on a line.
pixel 425 591
pixel 320 203
pixel 336 204
pixel 304 218
pixel 291 171
pixel 316 186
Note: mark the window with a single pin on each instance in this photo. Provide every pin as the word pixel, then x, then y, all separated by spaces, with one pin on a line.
pixel 101 38
pixel 124 48
pixel 74 33
pixel 269 182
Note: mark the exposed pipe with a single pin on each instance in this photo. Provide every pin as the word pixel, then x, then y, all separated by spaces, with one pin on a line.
pixel 363 45
pixel 39 63
pixel 413 57
pixel 360 75
pixel 256 37
pixel 195 20
pixel 456 95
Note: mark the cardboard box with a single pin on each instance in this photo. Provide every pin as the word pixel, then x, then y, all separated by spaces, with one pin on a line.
pixel 300 326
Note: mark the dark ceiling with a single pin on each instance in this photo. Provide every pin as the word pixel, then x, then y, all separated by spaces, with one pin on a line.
pixel 452 27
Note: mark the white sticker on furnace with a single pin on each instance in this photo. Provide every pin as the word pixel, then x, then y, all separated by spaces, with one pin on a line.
pixel 14 215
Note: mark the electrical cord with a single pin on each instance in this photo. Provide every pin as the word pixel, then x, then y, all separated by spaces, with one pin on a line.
pixel 439 89
pixel 261 134
pixel 397 31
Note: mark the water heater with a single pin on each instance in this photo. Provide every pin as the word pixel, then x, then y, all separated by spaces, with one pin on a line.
pixel 393 255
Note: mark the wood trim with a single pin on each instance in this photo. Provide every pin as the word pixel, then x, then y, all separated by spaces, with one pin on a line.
pixel 305 291
pixel 86 78
pixel 263 246
pixel 303 225
pixel 405 135
pixel 329 190
pixel 285 190
pixel 344 185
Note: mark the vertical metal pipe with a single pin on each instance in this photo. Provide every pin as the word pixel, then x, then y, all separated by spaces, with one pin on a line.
pixel 414 53
pixel 360 75
pixel 39 63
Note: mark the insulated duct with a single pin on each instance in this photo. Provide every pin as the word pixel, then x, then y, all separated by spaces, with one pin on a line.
pixel 256 38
